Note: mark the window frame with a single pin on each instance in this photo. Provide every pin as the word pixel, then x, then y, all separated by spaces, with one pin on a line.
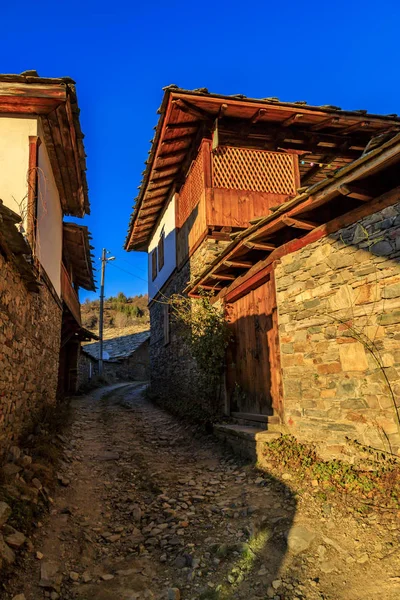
pixel 161 251
pixel 154 264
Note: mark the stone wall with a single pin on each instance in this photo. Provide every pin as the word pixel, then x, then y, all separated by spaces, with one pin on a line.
pixel 174 374
pixel 30 330
pixel 86 369
pixel 339 324
pixel 134 368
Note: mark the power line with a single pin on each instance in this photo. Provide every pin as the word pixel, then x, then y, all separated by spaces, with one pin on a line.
pixel 129 272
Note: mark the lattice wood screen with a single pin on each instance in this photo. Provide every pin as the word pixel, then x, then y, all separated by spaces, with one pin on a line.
pixel 256 170
pixel 191 191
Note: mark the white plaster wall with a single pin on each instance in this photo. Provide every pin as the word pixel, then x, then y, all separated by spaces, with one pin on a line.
pixel 14 161
pixel 167 222
pixel 49 221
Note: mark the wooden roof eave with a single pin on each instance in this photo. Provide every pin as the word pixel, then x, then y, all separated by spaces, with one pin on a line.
pixel 78 252
pixel 312 198
pixel 54 100
pixel 175 97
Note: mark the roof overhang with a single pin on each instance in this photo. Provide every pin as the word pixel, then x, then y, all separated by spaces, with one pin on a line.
pixel 323 133
pixel 76 249
pixel 309 216
pixel 54 101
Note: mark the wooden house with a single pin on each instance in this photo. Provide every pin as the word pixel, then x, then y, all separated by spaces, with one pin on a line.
pixel 252 201
pixel 44 261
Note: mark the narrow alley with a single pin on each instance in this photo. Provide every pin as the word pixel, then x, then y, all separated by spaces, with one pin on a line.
pixel 148 507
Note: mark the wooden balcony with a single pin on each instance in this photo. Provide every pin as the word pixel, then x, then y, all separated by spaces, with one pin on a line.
pixel 69 295
pixel 226 188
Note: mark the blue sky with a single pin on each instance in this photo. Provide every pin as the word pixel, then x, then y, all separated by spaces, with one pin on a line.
pixel 121 55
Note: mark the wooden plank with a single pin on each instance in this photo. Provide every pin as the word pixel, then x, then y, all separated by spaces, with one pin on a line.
pixel 24 90
pixel 32 208
pixel 254 246
pixel 192 109
pixel 292 119
pixel 210 287
pixel 76 202
pixel 187 137
pixel 54 161
pixel 249 284
pixel 183 125
pixel 357 192
pixel 298 223
pixel 221 277
pixel 74 141
pixel 62 162
pixel 238 264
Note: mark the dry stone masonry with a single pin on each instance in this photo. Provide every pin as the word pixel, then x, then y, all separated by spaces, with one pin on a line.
pixel 339 324
pixel 30 329
pixel 174 374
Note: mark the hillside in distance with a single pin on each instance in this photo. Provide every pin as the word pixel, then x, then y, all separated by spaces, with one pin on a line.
pixel 122 315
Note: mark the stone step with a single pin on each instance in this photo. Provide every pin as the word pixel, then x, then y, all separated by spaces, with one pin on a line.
pixel 265 422
pixel 245 440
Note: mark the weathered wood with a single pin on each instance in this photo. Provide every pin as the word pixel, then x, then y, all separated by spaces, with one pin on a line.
pixel 71 159
pixel 325 123
pixel 238 264
pixel 292 119
pixel 183 125
pixel 355 191
pixel 57 143
pixel 187 137
pixel 254 246
pixel 223 277
pixel 190 108
pixel 32 207
pixel 299 223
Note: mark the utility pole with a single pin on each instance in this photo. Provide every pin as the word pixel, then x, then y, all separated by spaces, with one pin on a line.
pixel 104 260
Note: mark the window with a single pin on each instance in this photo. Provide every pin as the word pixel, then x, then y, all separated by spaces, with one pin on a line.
pixel 161 252
pixel 154 264
pixel 166 323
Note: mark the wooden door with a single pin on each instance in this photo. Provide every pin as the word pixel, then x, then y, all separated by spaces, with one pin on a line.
pixel 253 365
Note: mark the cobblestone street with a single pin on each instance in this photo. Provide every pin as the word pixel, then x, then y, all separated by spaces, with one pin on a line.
pixel 148 507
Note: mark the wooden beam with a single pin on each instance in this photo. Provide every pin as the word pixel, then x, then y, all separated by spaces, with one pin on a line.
pixel 166 168
pixel 355 127
pixel 63 165
pixel 178 139
pixel 313 170
pixel 222 277
pixel 325 123
pixel 160 179
pixel 171 154
pixel 34 143
pixel 222 110
pixel 216 288
pixel 158 188
pixel 238 264
pixel 188 107
pixel 55 166
pixel 187 125
pixel 257 115
pixel 356 192
pixel 293 119
pixel 256 246
pixel 299 223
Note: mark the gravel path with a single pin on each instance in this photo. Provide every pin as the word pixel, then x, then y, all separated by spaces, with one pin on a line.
pixel 151 508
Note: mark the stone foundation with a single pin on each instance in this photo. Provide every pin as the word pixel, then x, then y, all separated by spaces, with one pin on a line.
pixel 30 330
pixel 339 325
pixel 174 374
